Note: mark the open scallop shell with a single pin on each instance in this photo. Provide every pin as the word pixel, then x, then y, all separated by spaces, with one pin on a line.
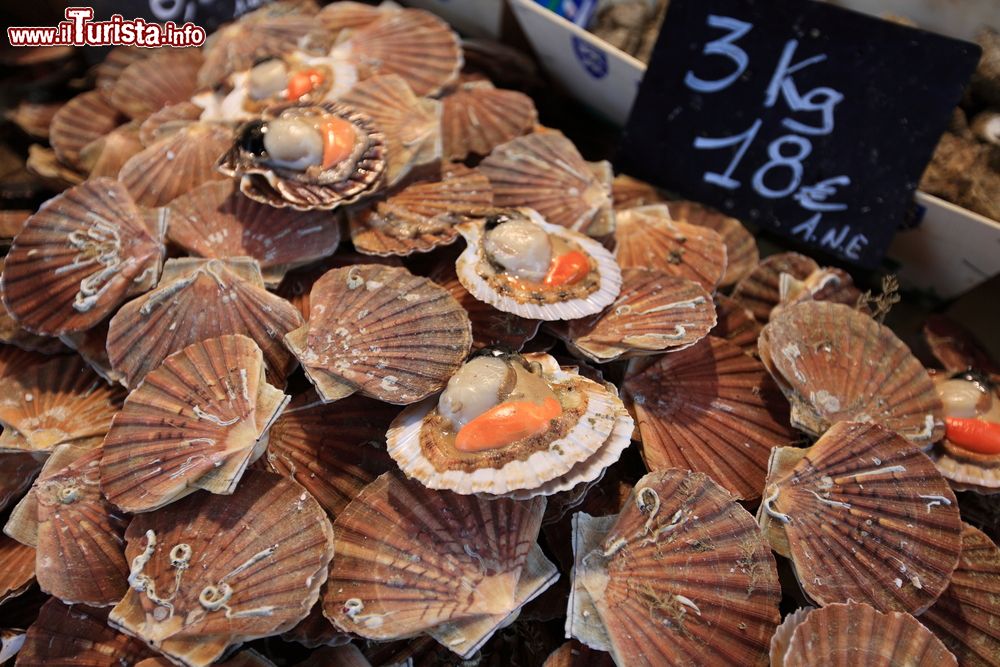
pixel 421 216
pixel 83 119
pixel 590 435
pixel 201 581
pixel 647 237
pixel 477 117
pixel 147 85
pixel 80 257
pixel 967 471
pixel 196 422
pixel 760 290
pixel 741 248
pixel 591 295
pixel 654 312
pixel 476 557
pixel 17 472
pixel 837 364
pixel 711 409
pixel 863 516
pixel 682 576
pixel 736 324
pixel 196 300
pixel 18 572
pixel 382 331
pixel 859 634
pixel 216 221
pixel 546 173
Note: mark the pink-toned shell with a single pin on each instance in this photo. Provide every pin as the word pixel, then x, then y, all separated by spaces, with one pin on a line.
pixel 151 83
pixel 863 516
pixel 628 192
pixel 711 409
pixel 382 331
pixel 17 472
pixel 837 364
pixel 736 324
pixel 760 290
pixel 84 119
pixel 196 422
pixel 741 248
pixel 646 237
pixel 79 258
pixel 13 334
pixel 229 583
pixel 654 312
pixel 477 117
pixel 216 221
pixel 18 571
pixel 106 72
pixel 297 285
pixel 842 635
pixel 106 156
pixel 168 120
pixel 197 300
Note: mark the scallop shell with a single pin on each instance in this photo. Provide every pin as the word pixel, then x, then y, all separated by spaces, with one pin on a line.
pixel 422 215
pixel 34 118
pixel 955 348
pixel 474 269
pixel 196 300
pixel 783 635
pixel 13 336
pixel 17 472
pixel 331 448
pixel 575 654
pixel 682 577
pixel 18 571
pixel 106 73
pixel 92 345
pixel 214 220
pixel 967 471
pixel 475 558
pixel 196 422
pixel 316 629
pixel 56 176
pixel 589 436
pixel 216 582
pixel 863 516
pixel 966 617
pixel 711 409
pixel 382 331
pixel 546 173
pixel 176 164
pixel 412 125
pixel 168 120
pixel 22 524
pixel 149 84
pixel 14 359
pixel 344 15
pixel 823 284
pixel 106 156
pixel 61 401
pixel 653 313
pixel 836 364
pixel 83 119
pixel 647 237
pixel 760 290
pixel 736 324
pixel 297 285
pixel 80 257
pixel 741 248
pixel 858 634
pixel 477 117
pixel 412 43
pixel 628 192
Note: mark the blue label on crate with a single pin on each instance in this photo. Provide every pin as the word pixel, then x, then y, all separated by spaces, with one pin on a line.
pixel 593 59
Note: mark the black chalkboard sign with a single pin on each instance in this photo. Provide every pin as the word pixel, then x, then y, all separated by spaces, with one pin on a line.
pixel 800 117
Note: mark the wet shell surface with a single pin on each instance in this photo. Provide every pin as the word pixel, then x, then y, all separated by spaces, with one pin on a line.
pixel 196 300
pixel 741 247
pixel 92 346
pixel 202 580
pixel 760 290
pixel 195 422
pixel 863 516
pixel 654 312
pixel 588 296
pixel 858 634
pixel 216 221
pixel 837 364
pixel 382 331
pixel 546 173
pixel 18 571
pixel 80 257
pixel 82 120
pixel 682 576
pixel 22 523
pixel 647 237
pixel 147 85
pixel 412 560
pixel 711 409
pixel 736 324
pixel 477 117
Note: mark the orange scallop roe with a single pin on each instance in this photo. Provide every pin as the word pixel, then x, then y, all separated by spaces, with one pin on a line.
pixel 567 269
pixel 974 435
pixel 302 82
pixel 507 423
pixel 339 137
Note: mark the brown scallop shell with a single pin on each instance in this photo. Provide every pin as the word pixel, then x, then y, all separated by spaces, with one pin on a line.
pixel 14 359
pixel 332 449
pixel 83 119
pixel 646 237
pixel 168 120
pixel 196 422
pixel 149 84
pixel 92 345
pixel 840 635
pixel 216 581
pixel 823 284
pixel 421 216
pixel 736 324
pixel 80 257
pixel 216 221
pixel 783 635
pixel 863 516
pixel 17 472
pixel 196 300
pixel 477 117
pixel 106 156
pixel 106 72
pixel 654 312
pixel 22 523
pixel 338 16
pixel 955 348
pixel 18 571
pixel 682 576
pixel 59 402
pixel 382 331
pixel 14 336
pixel 628 192
pixel 741 248
pixel 546 173
pixel 837 364
pixel 56 176
pixel 711 409
pixel 317 630
pixel 298 284
pixel 575 654
pixel 411 125
pixel 176 164
pixel 474 558
pixel 77 635
pixel 760 290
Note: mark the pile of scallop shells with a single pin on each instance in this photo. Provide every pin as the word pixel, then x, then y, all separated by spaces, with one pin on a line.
pixel 329 350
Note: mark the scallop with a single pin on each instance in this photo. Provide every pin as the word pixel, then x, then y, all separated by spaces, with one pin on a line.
pixel 736 324
pixel 477 117
pixel 18 568
pixel 84 119
pixel 823 284
pixel 151 83
pixel 760 290
pixel 628 192
pixel 741 247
